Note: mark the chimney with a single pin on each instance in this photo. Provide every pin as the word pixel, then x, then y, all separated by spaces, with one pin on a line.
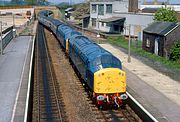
pixel 133 6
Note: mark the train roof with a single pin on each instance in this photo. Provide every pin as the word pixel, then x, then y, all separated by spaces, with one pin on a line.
pixel 45 13
pixel 72 34
pixel 65 30
pixel 93 55
pixel 56 22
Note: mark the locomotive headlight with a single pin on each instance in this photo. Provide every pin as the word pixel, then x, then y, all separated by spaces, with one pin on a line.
pixel 123 96
pixel 100 97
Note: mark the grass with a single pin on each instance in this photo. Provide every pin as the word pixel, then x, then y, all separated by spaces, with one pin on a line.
pixel 122 42
pixel 26 31
pixel 62 11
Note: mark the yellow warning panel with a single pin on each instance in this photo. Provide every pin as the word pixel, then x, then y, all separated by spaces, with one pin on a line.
pixel 110 80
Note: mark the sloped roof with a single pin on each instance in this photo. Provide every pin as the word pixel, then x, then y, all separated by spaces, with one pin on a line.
pixel 161 28
pixel 112 19
pixel 69 9
pixel 83 16
pixel 150 10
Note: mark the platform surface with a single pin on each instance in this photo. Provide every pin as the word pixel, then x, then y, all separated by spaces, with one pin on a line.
pixel 158 93
pixel 12 68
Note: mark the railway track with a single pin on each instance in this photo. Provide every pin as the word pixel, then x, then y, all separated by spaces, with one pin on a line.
pixel 47 103
pixel 73 86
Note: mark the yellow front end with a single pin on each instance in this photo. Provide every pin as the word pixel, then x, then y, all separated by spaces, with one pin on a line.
pixel 110 80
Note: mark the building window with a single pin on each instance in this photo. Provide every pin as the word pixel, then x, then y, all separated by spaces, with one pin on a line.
pixel 147 43
pixel 93 22
pixel 93 8
pixel 101 9
pixel 109 8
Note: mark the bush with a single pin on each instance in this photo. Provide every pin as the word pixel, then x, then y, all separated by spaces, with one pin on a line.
pixel 165 14
pixel 175 52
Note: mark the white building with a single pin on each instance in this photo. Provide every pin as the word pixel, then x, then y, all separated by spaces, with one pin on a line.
pixel 102 18
pixel 114 17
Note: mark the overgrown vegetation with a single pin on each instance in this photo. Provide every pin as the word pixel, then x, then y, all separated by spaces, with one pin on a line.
pixel 81 9
pixel 122 42
pixel 175 52
pixel 165 14
pixel 25 31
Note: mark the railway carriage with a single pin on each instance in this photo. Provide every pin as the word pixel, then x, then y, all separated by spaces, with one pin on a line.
pixel 62 31
pixel 54 23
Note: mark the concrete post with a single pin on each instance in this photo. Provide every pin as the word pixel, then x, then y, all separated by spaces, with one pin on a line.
pixel 129 45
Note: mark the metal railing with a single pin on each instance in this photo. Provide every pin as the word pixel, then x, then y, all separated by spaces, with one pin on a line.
pixel 6 38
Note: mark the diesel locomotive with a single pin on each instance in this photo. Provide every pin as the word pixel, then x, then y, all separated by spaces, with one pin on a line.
pixel 100 71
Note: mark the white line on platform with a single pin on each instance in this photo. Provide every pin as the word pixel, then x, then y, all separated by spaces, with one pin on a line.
pixel 29 82
pixel 142 108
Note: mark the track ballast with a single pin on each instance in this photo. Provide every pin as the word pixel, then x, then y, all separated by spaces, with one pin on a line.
pixel 46 96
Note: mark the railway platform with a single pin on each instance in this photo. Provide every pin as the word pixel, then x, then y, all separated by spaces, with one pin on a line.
pixel 14 78
pixel 157 93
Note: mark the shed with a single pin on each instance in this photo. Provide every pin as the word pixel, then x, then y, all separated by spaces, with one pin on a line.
pixel 159 37
pixel 116 24
pixel 86 19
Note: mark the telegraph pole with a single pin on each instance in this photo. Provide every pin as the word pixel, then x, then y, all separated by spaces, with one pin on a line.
pixel 129 45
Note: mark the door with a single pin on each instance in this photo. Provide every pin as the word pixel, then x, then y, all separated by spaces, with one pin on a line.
pixel 156 46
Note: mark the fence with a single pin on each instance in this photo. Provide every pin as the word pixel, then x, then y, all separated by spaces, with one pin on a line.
pixel 7 37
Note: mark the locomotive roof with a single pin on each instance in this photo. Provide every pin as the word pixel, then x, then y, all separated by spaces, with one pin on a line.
pixel 93 54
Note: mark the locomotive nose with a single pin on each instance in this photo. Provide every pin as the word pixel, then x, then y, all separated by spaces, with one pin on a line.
pixel 110 80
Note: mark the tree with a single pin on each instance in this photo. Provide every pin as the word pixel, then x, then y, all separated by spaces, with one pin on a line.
pixel 165 14
pixel 175 52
